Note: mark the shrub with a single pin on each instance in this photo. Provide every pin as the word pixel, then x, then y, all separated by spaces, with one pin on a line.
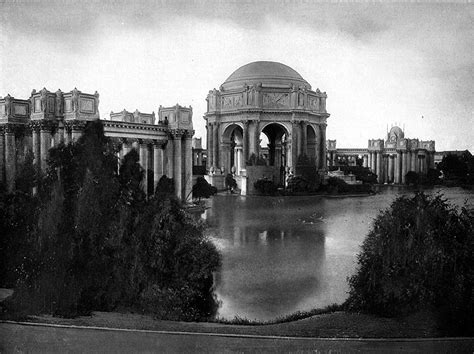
pixel 265 187
pixel 412 178
pixel 298 184
pixel 202 189
pixel 419 254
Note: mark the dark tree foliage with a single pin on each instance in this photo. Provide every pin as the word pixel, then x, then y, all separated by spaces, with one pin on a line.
pixel 418 255
pixel 458 168
pixel 165 188
pixel 90 240
pixel 412 178
pixel 266 187
pixel 202 189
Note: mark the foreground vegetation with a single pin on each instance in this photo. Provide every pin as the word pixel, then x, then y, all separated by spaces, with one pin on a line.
pixel 419 255
pixel 88 239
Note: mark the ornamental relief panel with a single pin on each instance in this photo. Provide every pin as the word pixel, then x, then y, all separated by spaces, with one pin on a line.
pixel 231 101
pixel 313 102
pixel 276 100
pixel 20 110
pixel 68 105
pixel 86 105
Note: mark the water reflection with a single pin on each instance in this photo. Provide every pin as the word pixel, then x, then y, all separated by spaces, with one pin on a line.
pixel 284 254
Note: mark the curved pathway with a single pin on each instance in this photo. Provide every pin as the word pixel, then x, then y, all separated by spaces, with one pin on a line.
pixel 44 338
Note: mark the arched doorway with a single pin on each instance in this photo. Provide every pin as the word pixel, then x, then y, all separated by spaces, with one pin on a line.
pixel 232 141
pixel 311 146
pixel 274 148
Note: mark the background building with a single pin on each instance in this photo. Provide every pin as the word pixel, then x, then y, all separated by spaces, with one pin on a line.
pixel 390 159
pixel 47 119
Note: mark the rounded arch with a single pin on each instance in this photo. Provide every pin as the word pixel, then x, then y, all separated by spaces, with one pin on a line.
pixel 285 127
pixel 230 129
pixel 232 148
pixel 276 151
pixel 311 144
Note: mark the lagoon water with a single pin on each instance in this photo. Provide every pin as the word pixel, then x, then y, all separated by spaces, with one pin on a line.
pixel 286 254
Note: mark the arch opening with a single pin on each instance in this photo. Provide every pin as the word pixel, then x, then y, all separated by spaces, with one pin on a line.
pixel 232 140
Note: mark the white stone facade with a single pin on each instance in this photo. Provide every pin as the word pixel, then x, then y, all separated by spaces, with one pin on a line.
pixel 47 119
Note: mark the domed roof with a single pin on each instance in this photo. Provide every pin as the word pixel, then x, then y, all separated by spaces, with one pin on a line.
pixel 266 72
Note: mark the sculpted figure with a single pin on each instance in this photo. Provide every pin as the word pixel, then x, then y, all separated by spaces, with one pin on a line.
pixel 96 94
pixel 43 100
pixel 59 102
pixel 8 105
pixel 75 100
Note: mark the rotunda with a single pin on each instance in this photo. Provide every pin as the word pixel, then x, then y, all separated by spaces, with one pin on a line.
pixel 270 102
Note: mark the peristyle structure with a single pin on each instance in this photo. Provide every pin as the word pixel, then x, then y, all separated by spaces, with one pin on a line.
pixel 273 99
pixel 47 119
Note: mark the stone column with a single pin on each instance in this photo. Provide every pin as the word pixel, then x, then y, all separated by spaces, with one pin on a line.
pixel 238 166
pixel 365 160
pixel 317 148
pixel 379 166
pixel 170 157
pixel 412 161
pixel 391 163
pixel 210 145
pixel 417 163
pixel 323 146
pixel 178 163
pixel 299 141
pixel 224 157
pixel 215 151
pixel 60 133
pixel 188 167
pixel 245 143
pixel 304 138
pixel 143 153
pixel 398 162
pixel 2 154
pixel 10 158
pixel 423 164
pixel 404 165
pixel 45 145
pixel 157 163
pixel 36 146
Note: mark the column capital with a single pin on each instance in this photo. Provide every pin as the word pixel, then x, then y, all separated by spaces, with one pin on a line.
pixel 75 124
pixel 159 143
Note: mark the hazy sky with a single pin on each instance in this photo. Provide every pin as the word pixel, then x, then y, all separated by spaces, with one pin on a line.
pixel 380 63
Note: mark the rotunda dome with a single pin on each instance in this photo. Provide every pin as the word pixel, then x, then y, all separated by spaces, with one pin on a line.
pixel 266 72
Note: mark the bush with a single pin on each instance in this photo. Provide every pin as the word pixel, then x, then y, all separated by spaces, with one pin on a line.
pixel 412 178
pixel 336 185
pixel 202 189
pixel 297 184
pixel 418 255
pixel 266 187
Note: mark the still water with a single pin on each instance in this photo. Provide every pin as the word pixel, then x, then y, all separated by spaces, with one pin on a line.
pixel 287 254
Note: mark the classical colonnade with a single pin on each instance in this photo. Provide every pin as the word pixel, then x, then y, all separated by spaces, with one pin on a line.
pixel 301 138
pixel 392 167
pixel 48 119
pixel 389 166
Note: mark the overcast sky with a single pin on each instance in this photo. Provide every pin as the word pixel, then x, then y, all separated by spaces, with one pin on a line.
pixel 380 63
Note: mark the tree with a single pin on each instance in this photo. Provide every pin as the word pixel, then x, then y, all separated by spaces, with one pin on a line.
pixel 418 255
pixel 92 241
pixel 412 178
